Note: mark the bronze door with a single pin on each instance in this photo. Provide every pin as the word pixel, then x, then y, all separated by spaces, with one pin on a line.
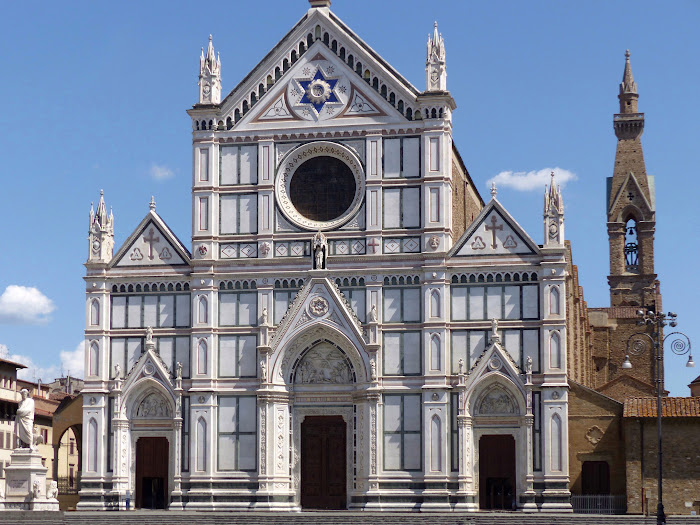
pixel 497 472
pixel 323 446
pixel 151 472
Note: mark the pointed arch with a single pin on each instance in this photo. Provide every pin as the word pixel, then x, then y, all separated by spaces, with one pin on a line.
pixel 92 445
pixel 95 312
pixel 554 350
pixel 201 451
pixel 435 350
pixel 202 356
pixel 435 303
pixel 94 358
pixel 202 310
pixel 556 445
pixel 554 301
pixel 435 444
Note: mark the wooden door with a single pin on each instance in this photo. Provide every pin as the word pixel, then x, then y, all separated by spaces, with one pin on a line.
pixel 497 472
pixel 151 473
pixel 595 477
pixel 323 465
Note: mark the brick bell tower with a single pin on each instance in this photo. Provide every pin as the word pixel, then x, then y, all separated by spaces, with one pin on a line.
pixel 631 207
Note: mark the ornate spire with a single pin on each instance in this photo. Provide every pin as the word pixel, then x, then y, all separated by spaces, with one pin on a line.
pixel 494 190
pixel 152 204
pixel 101 232
pixel 628 89
pixel 436 74
pixel 553 216
pixel 209 76
pixel 552 199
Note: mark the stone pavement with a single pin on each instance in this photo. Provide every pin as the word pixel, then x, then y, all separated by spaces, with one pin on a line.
pixel 155 517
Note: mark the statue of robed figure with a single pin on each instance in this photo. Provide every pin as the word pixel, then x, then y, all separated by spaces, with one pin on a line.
pixel 24 420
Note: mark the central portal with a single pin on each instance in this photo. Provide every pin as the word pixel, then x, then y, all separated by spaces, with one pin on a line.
pixel 497 472
pixel 151 472
pixel 323 469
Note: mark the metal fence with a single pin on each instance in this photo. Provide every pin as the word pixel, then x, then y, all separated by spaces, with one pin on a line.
pixel 599 503
pixel 69 485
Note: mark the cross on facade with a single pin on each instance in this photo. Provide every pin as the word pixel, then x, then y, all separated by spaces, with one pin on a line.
pixel 630 196
pixel 150 240
pixel 374 245
pixel 493 229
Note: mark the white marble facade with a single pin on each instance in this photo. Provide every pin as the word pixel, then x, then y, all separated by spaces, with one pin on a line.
pixel 425 342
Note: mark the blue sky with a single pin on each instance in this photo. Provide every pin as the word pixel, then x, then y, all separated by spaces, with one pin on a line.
pixel 95 98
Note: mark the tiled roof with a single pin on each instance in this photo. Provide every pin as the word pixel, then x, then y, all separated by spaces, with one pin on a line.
pixel 696 380
pixel 670 407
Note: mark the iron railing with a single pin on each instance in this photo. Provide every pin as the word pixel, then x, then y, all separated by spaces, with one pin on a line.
pixel 68 485
pixel 599 503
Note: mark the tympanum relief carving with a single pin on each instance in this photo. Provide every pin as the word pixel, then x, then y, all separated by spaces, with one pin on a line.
pixel 153 405
pixel 324 363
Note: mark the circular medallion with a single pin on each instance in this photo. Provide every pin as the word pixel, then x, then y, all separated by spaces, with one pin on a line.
pixel 318 92
pixel 95 246
pixel 149 369
pixel 320 185
pixel 495 363
pixel 553 229
pixel 555 394
pixel 318 306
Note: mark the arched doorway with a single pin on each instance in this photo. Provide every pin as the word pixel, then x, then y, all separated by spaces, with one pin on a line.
pixel 497 472
pixel 323 469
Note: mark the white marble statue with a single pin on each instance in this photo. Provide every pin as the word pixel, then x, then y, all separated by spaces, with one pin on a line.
pixel 24 420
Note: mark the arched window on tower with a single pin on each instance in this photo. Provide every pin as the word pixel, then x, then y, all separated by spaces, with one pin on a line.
pixel 631 246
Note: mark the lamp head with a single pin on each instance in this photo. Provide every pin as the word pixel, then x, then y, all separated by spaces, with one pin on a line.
pixel 690 363
pixel 627 364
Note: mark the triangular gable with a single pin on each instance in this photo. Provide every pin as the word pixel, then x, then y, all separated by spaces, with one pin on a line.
pixel 151 244
pixel 629 185
pixel 319 301
pixel 319 89
pixel 494 359
pixel 279 65
pixel 494 232
pixel 149 365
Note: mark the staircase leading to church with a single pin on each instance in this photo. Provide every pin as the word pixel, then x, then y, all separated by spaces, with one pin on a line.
pixel 327 518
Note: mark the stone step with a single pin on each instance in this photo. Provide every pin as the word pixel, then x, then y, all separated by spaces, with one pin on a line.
pixel 327 518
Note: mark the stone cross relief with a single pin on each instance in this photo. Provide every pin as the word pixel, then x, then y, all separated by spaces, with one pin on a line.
pixel 493 229
pixel 151 240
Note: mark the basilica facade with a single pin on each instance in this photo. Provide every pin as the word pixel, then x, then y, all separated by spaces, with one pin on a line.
pixel 351 327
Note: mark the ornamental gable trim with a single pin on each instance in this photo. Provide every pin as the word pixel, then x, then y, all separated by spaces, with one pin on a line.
pixel 494 232
pixel 622 200
pixel 151 244
pixel 316 33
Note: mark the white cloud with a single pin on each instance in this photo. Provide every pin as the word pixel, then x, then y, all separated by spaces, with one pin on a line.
pixel 24 305
pixel 159 172
pixel 531 180
pixel 72 362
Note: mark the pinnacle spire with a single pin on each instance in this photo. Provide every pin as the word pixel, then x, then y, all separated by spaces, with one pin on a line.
pixel 628 85
pixel 436 76
pixel 209 75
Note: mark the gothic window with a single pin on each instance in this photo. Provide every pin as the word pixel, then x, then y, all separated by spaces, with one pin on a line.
pixel 401 156
pixel 400 106
pixel 94 359
pixel 401 207
pixel 157 311
pixel 556 443
pixel 401 304
pixel 238 309
pixel 201 445
pixel 554 307
pixel 237 439
pixel 402 353
pixel 244 107
pixel 554 350
pixel 435 349
pixel 435 444
pixel 202 357
pixel 631 246
pixel 383 91
pixel 203 310
pixel 435 303
pixel 94 312
pixel 237 356
pixel 92 446
pixel 238 213
pixel 402 432
pixel 342 53
pixel 285 65
pixel 392 99
pixel 351 61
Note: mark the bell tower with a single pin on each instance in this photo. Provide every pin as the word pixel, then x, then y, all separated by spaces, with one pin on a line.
pixel 630 206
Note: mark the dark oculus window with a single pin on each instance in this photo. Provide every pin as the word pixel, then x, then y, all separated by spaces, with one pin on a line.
pixel 322 188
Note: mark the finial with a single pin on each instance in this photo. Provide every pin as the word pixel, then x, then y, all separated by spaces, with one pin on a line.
pixel 494 190
pixel 102 192
pixel 152 204
pixel 627 54
pixel 210 37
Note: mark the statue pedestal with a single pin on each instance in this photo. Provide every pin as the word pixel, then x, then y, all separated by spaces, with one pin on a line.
pixel 25 482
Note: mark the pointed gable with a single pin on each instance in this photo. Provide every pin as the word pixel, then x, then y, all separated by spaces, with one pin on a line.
pixel 151 244
pixel 631 193
pixel 494 232
pixel 276 87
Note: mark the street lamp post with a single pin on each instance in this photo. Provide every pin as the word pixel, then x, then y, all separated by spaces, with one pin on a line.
pixel 639 343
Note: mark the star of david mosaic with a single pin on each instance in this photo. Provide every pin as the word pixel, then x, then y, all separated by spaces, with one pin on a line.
pixel 318 97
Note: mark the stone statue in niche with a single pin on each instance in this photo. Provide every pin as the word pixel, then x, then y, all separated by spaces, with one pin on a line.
pixel 320 247
pixel 178 370
pixel 153 406
pixel 373 314
pixel 323 364
pixel 497 401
